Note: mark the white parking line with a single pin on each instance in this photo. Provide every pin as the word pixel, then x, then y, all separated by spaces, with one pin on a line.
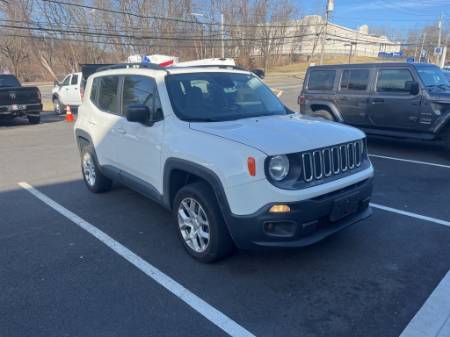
pixel 410 161
pixel 206 310
pixel 410 214
pixel 432 320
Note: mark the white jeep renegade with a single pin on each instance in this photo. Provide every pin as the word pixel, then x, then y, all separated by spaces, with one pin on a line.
pixel 218 148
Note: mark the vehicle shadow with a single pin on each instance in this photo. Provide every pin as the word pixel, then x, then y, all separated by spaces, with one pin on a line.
pixel 349 276
pixel 46 117
pixel 408 149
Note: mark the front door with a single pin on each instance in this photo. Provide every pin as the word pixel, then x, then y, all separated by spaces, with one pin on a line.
pixel 391 105
pixel 352 96
pixel 139 154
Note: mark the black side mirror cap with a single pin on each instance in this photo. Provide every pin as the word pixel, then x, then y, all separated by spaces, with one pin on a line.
pixel 259 72
pixel 56 83
pixel 413 87
pixel 138 113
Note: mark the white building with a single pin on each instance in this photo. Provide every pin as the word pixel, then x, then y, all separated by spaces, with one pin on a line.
pixel 338 40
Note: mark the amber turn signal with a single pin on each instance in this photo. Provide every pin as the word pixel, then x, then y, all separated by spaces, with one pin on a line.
pixel 251 164
pixel 279 209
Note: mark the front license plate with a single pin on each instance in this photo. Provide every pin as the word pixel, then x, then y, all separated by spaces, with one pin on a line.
pixel 344 207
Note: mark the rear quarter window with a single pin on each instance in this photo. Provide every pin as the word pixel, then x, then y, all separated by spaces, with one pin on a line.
pixel 104 93
pixel 321 79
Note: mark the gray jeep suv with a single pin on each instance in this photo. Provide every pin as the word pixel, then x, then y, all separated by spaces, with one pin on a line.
pixel 408 100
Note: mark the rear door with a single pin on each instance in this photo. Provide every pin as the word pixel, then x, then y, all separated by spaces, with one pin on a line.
pixel 64 90
pixel 104 118
pixel 73 92
pixel 391 105
pixel 352 95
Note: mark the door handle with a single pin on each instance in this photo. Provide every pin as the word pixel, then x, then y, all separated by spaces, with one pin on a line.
pixel 377 100
pixel 93 123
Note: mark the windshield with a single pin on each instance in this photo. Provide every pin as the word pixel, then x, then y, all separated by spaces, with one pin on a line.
pixel 432 76
pixel 220 96
pixel 8 81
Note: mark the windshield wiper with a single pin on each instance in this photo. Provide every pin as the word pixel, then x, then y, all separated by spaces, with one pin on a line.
pixel 203 119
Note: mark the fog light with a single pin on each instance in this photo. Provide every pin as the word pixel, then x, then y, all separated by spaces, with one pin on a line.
pixel 279 209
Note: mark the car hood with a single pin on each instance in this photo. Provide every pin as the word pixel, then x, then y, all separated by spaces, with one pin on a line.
pixel 281 134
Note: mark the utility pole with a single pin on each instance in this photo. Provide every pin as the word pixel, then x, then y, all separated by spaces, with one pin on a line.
pixel 222 34
pixel 421 46
pixel 328 10
pixel 439 31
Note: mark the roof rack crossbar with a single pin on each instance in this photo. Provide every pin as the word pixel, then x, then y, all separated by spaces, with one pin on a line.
pixel 223 66
pixel 132 65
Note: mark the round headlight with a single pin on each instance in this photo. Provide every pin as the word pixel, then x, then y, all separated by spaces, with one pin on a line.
pixel 278 167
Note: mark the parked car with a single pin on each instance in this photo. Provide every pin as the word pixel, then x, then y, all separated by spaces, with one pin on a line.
pixel 68 92
pixel 218 148
pixel 17 101
pixel 447 74
pixel 410 100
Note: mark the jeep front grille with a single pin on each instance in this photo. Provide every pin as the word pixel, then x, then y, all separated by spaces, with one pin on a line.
pixel 318 164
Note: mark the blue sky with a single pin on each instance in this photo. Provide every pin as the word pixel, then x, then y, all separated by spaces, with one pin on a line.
pixel 397 14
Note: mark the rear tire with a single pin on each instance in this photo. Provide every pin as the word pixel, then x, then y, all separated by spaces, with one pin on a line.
pixel 200 225
pixel 95 181
pixel 324 114
pixel 34 119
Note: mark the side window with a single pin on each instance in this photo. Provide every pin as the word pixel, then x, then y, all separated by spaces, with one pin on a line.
pixel 321 79
pixel 66 80
pixel 141 90
pixel 107 94
pixel 355 79
pixel 393 80
pixel 74 80
pixel 94 90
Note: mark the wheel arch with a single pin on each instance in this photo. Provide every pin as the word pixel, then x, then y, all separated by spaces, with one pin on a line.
pixel 83 139
pixel 325 105
pixel 179 172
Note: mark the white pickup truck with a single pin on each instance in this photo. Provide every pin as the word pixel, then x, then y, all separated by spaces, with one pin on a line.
pixel 68 92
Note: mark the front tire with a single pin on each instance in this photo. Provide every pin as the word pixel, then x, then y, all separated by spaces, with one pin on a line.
pixel 95 181
pixel 200 225
pixel 34 119
pixel 57 107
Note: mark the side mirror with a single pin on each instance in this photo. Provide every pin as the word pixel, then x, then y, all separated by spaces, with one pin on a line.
pixel 56 83
pixel 412 87
pixel 259 72
pixel 139 113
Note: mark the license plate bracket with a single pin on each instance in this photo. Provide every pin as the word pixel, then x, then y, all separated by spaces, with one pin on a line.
pixel 344 206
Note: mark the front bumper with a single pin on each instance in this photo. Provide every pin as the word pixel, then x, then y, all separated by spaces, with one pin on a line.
pixel 308 222
pixel 17 110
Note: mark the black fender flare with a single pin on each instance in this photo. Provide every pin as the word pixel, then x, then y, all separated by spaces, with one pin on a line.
pixel 208 175
pixel 442 124
pixel 334 110
pixel 83 138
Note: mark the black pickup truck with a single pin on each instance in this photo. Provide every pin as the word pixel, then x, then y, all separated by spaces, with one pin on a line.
pixel 17 101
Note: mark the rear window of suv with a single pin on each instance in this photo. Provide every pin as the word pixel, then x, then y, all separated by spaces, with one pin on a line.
pixel 321 79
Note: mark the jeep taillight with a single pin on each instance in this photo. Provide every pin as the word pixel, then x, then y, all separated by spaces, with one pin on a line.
pixel 81 92
pixel 301 100
pixel 38 94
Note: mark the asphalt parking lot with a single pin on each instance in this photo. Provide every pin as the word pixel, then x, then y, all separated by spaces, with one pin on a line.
pixel 94 271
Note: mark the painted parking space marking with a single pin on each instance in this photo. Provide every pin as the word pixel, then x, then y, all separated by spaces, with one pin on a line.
pixel 203 308
pixel 410 161
pixel 411 214
pixel 433 319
